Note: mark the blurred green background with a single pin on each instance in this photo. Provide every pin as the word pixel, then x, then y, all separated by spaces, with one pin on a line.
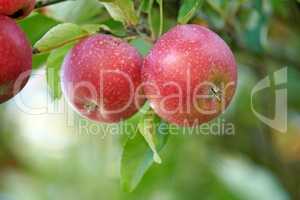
pixel 44 156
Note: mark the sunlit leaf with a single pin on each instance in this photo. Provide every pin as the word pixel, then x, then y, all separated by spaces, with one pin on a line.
pixel 122 10
pixel 147 128
pixel 137 157
pixel 59 36
pixel 54 63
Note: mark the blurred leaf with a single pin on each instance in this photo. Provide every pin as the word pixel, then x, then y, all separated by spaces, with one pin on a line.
pixel 54 63
pixel 144 6
pixel 137 157
pixel 218 5
pixel 187 10
pixel 236 173
pixel 36 25
pixel 293 88
pixel 59 36
pixel 122 10
pixel 254 29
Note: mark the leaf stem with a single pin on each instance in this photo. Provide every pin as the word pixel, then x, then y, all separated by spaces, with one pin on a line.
pixel 45 50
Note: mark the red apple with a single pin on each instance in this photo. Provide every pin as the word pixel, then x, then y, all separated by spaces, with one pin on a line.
pixel 16 8
pixel 101 77
pixel 15 58
pixel 190 75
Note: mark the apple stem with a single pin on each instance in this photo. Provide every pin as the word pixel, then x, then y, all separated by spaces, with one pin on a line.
pixel 217 93
pixel 90 107
pixel 44 3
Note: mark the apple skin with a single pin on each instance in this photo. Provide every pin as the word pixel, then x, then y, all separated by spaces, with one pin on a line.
pixel 15 58
pixel 101 77
pixel 16 8
pixel 181 60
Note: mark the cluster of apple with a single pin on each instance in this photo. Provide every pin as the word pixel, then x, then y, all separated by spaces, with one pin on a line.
pixel 189 77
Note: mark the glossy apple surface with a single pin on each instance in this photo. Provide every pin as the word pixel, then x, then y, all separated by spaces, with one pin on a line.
pixel 15 59
pixel 101 78
pixel 190 75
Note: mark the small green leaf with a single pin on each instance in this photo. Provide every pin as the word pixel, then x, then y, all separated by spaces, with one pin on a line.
pixel 54 63
pixel 155 22
pixel 115 11
pixel 122 10
pixel 187 10
pixel 137 157
pixel 59 36
pixel 115 27
pixel 148 130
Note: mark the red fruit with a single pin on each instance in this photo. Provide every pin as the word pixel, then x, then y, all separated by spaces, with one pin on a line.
pixel 100 78
pixel 185 63
pixel 15 59
pixel 16 8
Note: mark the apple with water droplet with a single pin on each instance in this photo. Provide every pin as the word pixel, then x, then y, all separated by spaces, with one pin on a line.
pixel 101 78
pixel 190 75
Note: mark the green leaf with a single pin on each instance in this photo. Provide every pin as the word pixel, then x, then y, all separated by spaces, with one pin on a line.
pixel 122 10
pixel 78 12
pixel 36 25
pixel 59 36
pixel 54 63
pixel 155 22
pixel 137 157
pixel 148 130
pixel 188 10
pixel 115 27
